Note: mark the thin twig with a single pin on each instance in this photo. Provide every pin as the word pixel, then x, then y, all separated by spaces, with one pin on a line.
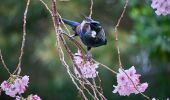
pixel 94 88
pixel 82 83
pixel 116 33
pixel 3 62
pixel 118 49
pixel 114 72
pixel 91 8
pixel 23 39
pixel 101 95
pixel 64 24
pixel 58 31
pixel 46 6
pixel 77 44
pixel 58 45
pixel 135 85
pixel 101 90
pixel 70 53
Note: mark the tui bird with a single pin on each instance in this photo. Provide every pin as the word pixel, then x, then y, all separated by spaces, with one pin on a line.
pixel 90 32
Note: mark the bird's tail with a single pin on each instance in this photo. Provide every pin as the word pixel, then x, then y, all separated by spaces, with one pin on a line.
pixel 73 24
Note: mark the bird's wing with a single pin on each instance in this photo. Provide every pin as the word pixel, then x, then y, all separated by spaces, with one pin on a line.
pixel 85 27
pixel 73 24
pixel 101 35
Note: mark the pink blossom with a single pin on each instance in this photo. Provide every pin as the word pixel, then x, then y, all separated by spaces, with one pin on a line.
pixel 17 86
pixel 18 98
pixel 125 86
pixel 142 87
pixel 30 97
pixel 158 99
pixel 122 78
pixel 5 85
pixel 34 97
pixel 161 6
pixel 9 89
pixel 25 80
pixel 153 99
pixel 85 69
pixel 78 58
pixel 21 84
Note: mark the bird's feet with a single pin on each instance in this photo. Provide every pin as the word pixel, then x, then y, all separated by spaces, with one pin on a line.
pixel 74 35
pixel 89 56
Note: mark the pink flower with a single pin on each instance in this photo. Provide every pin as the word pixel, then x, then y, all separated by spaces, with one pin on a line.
pixel 21 84
pixel 18 98
pixel 34 97
pixel 25 80
pixel 161 6
pixel 153 99
pixel 17 86
pixel 9 89
pixel 121 90
pixel 85 69
pixel 5 85
pixel 142 87
pixel 125 86
pixel 78 58
pixel 122 78
pixel 158 99
pixel 30 97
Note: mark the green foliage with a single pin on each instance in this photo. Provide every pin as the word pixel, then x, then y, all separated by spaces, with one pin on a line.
pixel 144 41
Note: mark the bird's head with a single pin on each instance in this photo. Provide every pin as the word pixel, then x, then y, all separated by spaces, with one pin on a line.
pixel 96 26
pixel 88 19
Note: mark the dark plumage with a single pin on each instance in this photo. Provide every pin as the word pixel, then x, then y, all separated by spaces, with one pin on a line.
pixel 90 32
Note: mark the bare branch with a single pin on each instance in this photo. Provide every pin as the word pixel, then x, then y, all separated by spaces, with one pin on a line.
pixel 46 6
pixel 114 72
pixel 58 45
pixel 118 49
pixel 23 38
pixel 116 33
pixel 135 85
pixel 3 62
pixel 64 25
pixel 91 8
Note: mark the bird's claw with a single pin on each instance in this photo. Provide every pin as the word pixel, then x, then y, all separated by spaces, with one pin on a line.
pixel 89 56
pixel 74 35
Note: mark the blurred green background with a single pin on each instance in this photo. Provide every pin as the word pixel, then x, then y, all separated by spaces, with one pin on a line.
pixel 144 43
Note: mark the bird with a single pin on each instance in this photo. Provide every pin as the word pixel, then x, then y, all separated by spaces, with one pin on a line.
pixel 90 32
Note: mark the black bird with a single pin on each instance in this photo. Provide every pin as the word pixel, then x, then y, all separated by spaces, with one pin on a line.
pixel 90 32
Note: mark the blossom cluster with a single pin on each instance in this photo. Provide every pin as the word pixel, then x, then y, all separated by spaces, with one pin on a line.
pixel 161 6
pixel 83 68
pixel 128 82
pixel 158 99
pixel 14 86
pixel 34 97
pixel 30 97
